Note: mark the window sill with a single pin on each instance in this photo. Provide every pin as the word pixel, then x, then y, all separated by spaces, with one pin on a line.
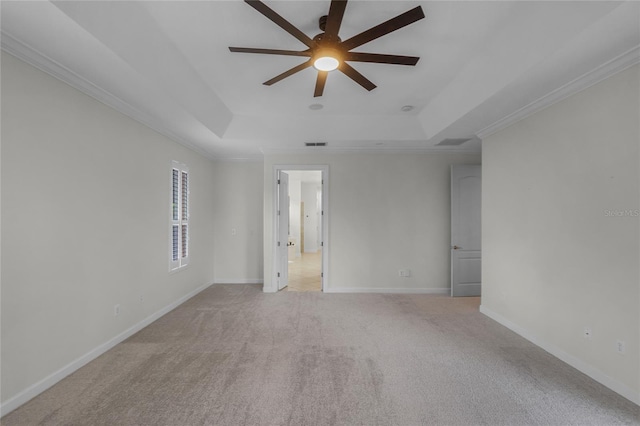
pixel 176 270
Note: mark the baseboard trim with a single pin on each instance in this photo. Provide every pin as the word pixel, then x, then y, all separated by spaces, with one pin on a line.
pixel 576 363
pixel 44 384
pixel 239 281
pixel 388 290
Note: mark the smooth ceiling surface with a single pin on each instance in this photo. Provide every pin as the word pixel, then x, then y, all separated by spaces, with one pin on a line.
pixel 167 64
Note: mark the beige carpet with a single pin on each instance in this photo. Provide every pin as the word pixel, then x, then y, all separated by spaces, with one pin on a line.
pixel 235 356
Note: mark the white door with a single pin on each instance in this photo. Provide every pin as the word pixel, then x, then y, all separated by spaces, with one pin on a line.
pixel 283 230
pixel 466 187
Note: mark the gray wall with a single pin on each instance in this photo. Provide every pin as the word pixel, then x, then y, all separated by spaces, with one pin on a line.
pixel 386 212
pixel 238 206
pixel 85 225
pixel 557 257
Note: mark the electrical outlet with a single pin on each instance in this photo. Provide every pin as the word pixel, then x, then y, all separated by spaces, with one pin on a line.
pixel 116 310
pixel 621 347
pixel 587 333
pixel 405 273
pixel 141 298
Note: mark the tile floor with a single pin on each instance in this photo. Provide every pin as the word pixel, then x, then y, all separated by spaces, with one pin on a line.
pixel 304 272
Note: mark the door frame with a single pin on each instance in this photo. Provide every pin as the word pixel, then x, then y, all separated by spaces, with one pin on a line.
pixel 324 185
pixel 282 279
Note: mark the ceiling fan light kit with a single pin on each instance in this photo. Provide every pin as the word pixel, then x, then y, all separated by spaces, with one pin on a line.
pixel 327 59
pixel 327 52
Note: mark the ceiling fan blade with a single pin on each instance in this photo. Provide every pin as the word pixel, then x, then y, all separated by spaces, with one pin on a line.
pixel 281 22
pixel 320 82
pixel 270 51
pixel 381 59
pixel 356 76
pixel 334 19
pixel 288 73
pixel 391 25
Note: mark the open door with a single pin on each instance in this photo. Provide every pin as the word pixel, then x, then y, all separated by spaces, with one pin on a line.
pixel 283 230
pixel 466 187
pixel 286 227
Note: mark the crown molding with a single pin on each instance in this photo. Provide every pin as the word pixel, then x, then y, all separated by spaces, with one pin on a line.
pixel 368 150
pixel 40 61
pixel 47 65
pixel 223 159
pixel 598 74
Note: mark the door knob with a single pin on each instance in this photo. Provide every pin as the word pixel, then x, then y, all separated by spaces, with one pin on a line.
pixel 456 247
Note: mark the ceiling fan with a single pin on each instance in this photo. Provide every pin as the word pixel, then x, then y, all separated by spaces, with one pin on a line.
pixel 327 52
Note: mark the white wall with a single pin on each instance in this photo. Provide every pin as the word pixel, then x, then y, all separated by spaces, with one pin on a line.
pixel 85 225
pixel 386 212
pixel 295 197
pixel 238 206
pixel 554 261
pixel 309 198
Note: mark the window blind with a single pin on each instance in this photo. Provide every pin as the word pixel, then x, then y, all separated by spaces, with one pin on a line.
pixel 179 234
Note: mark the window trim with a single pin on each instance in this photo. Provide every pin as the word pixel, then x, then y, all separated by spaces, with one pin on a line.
pixel 179 215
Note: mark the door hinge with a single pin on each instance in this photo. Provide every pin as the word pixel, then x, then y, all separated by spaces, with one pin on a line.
pixel 278 212
pixel 322 244
pixel 278 181
pixel 278 274
pixel 322 274
pixel 278 243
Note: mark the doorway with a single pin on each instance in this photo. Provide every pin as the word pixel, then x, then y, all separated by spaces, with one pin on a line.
pixel 301 228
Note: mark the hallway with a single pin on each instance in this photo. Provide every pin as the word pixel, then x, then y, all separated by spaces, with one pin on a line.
pixel 304 272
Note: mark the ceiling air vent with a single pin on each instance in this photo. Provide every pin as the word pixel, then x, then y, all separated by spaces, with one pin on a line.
pixel 315 144
pixel 453 142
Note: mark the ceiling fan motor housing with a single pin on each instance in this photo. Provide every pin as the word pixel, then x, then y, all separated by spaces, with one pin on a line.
pixel 320 39
pixel 322 22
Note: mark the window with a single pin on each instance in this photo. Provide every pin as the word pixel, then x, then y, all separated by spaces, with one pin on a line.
pixel 179 233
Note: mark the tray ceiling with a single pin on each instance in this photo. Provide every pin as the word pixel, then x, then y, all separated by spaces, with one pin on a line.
pixel 167 64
